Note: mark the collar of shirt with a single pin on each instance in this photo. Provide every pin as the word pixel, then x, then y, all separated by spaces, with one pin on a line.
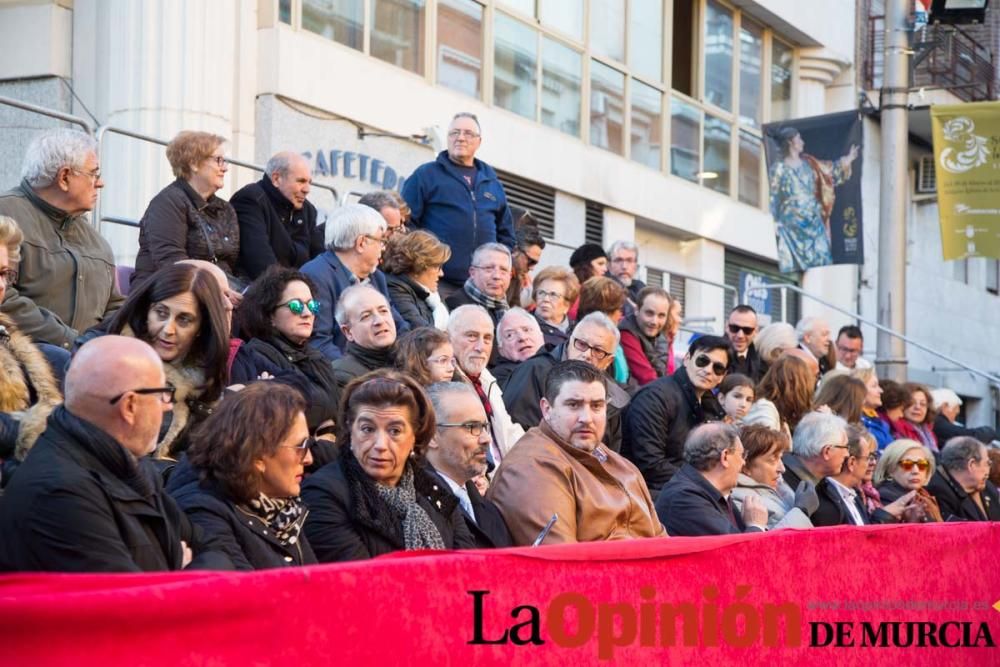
pixel 461 493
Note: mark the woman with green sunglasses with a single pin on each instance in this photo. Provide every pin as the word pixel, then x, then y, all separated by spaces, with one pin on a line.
pixel 276 319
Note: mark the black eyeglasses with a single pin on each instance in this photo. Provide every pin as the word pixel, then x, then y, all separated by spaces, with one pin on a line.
pixel 473 427
pixel 298 306
pixel 166 394
pixel 747 331
pixel 582 346
pixel 718 368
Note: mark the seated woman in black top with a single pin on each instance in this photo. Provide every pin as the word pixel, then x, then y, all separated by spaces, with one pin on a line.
pixel 240 479
pixel 276 319
pixel 376 498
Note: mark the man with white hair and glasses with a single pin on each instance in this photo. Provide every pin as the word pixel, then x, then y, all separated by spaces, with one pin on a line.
pixel 65 281
pixel 355 239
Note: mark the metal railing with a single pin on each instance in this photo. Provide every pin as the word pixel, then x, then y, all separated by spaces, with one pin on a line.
pixel 99 215
pixel 957 59
pixel 920 346
pixel 51 113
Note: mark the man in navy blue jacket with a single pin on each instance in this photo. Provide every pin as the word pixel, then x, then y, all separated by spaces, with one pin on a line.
pixel 355 237
pixel 460 199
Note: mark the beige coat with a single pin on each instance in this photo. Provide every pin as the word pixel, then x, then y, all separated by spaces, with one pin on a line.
pixel 544 475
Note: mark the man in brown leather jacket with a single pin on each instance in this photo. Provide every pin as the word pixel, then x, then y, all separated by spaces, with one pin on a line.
pixel 560 468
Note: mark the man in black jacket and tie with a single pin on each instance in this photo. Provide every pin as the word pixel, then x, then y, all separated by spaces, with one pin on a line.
pixel 741 329
pixel 456 455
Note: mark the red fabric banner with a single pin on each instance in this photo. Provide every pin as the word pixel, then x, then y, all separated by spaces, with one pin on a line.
pixel 914 595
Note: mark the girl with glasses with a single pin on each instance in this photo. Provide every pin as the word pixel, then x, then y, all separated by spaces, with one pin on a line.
pixel 904 466
pixel 241 478
pixel 426 355
pixel 276 319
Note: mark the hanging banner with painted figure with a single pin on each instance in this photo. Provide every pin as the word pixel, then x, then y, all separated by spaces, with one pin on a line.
pixel 967 168
pixel 814 177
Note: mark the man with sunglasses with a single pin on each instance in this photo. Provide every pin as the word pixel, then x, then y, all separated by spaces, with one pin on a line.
pixel 594 340
pixel 460 200
pixel 88 498
pixel 663 412
pixel 456 455
pixel 561 483
pixel 525 257
pixel 741 328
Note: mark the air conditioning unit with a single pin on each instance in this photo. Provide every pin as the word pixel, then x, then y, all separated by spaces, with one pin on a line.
pixel 926 176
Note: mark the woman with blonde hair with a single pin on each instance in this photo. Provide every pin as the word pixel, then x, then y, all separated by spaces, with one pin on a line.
pixel 905 466
pixel 412 266
pixel 186 220
pixel 29 390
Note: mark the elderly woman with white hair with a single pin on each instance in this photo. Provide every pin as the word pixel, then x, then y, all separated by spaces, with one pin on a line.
pixel 946 424
pixel 66 282
pixel 905 466
pixel 772 341
pixel 355 239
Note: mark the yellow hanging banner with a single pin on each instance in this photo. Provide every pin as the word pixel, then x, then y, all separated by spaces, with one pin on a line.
pixel 967 168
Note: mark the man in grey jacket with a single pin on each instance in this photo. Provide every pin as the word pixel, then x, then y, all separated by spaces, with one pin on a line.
pixel 66 276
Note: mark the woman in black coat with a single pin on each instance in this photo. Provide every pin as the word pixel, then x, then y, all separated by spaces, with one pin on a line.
pixel 240 481
pixel 276 319
pixel 376 498
pixel 412 265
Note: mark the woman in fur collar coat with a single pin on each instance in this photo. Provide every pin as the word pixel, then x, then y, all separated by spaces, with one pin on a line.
pixel 28 388
pixel 179 311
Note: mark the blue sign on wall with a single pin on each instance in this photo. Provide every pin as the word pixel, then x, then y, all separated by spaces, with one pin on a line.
pixel 752 295
pixel 350 164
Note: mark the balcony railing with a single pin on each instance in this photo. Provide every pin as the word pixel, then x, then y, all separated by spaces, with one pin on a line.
pixel 959 61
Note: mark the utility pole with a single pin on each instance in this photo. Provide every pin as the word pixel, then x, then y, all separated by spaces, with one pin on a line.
pixel 891 361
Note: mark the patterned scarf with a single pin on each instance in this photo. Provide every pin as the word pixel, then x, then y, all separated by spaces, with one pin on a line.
pixel 284 516
pixel 484 300
pixel 871 497
pixel 419 532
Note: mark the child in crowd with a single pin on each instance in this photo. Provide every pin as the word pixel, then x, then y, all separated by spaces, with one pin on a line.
pixel 736 393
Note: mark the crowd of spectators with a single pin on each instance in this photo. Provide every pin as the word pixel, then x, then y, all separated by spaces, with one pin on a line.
pixel 267 390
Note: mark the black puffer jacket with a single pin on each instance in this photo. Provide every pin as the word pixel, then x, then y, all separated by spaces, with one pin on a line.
pixel 245 538
pixel 348 521
pixel 409 299
pixel 81 503
pixel 657 423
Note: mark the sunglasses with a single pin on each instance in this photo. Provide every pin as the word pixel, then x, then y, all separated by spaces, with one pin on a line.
pixel 718 368
pixel 747 331
pixel 298 306
pixel 302 447
pixel 920 464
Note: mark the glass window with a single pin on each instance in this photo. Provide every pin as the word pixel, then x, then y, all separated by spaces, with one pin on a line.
pixel 398 33
pixel 607 103
pixel 781 81
pixel 285 11
pixel 685 140
pixel 339 20
pixel 716 148
pixel 526 6
pixel 515 64
pixel 563 15
pixel 647 110
pixel 750 165
pixel 561 78
pixel 460 45
pixel 607 29
pixel 751 58
pixel 719 56
pixel 646 38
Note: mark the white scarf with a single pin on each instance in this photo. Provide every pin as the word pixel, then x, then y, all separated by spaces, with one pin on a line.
pixel 439 309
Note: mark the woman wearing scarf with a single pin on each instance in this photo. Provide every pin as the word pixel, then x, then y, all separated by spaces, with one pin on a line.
pixel 412 265
pixel 375 498
pixel 240 479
